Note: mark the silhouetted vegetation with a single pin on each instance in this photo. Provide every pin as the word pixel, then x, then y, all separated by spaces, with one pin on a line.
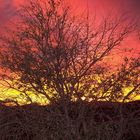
pixel 87 121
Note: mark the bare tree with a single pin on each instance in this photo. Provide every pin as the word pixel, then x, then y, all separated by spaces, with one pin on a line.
pixel 55 54
pixel 59 57
pixel 121 85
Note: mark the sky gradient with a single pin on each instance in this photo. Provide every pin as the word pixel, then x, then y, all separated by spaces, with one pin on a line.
pixel 8 8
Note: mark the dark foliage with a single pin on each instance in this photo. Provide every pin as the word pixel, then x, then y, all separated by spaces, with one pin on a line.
pixel 98 121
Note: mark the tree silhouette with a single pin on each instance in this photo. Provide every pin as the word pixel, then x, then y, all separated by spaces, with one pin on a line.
pixel 59 57
pixel 55 54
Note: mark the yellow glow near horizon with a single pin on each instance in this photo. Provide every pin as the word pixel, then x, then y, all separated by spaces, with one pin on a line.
pixel 16 95
pixel 31 97
pixel 12 94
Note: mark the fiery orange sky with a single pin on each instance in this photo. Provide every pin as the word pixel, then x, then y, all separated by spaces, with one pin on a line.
pixel 8 8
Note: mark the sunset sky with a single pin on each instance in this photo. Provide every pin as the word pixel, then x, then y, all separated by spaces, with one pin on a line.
pixel 9 8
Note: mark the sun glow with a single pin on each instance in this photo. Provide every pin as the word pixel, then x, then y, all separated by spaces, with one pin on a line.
pixel 12 96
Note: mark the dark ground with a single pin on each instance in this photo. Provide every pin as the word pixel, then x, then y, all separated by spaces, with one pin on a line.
pixel 72 121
